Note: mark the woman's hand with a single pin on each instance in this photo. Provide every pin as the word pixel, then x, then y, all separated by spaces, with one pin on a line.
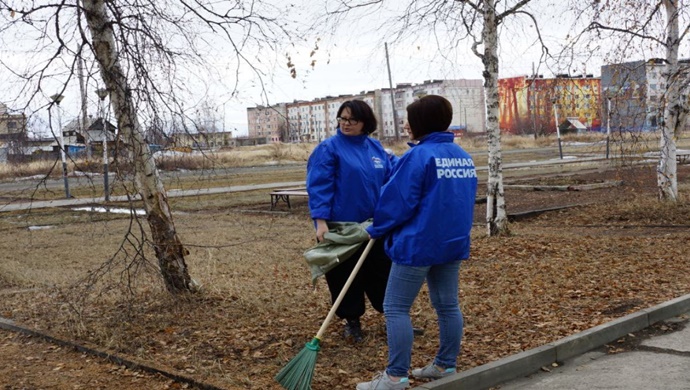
pixel 321 229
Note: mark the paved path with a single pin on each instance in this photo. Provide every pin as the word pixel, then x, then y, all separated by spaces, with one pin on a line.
pixel 171 193
pixel 15 206
pixel 660 362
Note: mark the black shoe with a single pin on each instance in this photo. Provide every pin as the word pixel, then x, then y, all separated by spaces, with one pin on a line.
pixel 353 331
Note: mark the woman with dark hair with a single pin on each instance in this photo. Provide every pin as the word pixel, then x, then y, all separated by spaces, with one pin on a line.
pixel 426 211
pixel 344 176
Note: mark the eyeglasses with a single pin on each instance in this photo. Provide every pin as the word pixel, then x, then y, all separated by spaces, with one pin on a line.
pixel 347 121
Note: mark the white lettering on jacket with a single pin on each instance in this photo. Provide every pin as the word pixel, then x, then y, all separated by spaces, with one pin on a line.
pixel 455 168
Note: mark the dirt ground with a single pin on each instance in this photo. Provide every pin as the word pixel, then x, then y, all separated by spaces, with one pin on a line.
pixel 575 259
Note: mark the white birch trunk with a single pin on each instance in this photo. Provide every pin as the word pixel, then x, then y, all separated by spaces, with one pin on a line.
pixel 84 113
pixel 169 249
pixel 496 217
pixel 667 179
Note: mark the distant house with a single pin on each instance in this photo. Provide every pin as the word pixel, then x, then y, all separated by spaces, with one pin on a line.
pixel 71 132
pixel 38 146
pixel 75 138
pixel 203 140
pixel 12 124
pixel 97 134
pixel 249 141
pixel 571 125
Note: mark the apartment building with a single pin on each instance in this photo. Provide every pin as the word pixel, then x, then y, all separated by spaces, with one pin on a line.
pixel 466 97
pixel 313 121
pixel 532 104
pixel 633 93
pixel 270 122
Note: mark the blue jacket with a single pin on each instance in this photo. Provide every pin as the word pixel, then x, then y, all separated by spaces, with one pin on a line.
pixel 344 177
pixel 426 208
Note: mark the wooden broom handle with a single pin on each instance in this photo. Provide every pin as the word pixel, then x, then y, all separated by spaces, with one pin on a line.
pixel 345 288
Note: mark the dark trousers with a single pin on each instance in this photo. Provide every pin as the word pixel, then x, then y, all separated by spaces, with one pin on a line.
pixel 371 280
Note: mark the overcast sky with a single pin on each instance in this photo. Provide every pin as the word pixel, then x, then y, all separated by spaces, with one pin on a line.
pixel 354 60
pixel 350 58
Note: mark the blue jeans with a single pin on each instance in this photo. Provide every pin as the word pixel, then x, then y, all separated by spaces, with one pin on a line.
pixel 404 284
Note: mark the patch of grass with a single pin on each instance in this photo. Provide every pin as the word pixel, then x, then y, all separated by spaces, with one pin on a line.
pixel 39 167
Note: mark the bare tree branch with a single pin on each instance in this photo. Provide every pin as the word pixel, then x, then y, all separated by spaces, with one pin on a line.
pixel 477 7
pixel 512 10
pixel 599 26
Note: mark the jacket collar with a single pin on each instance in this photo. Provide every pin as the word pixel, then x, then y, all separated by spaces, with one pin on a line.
pixel 437 137
pixel 357 139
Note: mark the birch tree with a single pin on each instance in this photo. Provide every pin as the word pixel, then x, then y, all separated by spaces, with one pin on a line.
pixel 476 22
pixel 647 28
pixel 141 49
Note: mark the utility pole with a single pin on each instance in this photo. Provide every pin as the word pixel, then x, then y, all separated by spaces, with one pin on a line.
pixel 102 94
pixel 84 115
pixel 312 127
pixel 390 83
pixel 608 124
pixel 467 127
pixel 57 98
pixel 534 101
pixel 558 130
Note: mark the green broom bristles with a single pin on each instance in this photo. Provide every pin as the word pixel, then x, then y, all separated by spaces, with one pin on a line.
pixel 297 374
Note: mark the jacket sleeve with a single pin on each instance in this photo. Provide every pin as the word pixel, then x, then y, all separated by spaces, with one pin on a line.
pixel 321 181
pixel 400 197
pixel 392 159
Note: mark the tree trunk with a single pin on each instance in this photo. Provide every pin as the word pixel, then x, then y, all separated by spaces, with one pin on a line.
pixel 667 179
pixel 496 218
pixel 84 113
pixel 168 247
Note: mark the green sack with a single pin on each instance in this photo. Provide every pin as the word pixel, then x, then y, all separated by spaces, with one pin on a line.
pixel 341 241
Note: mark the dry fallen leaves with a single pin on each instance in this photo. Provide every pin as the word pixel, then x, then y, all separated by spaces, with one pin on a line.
pixel 558 273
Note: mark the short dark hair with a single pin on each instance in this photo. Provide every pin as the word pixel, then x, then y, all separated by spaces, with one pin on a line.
pixel 361 111
pixel 430 114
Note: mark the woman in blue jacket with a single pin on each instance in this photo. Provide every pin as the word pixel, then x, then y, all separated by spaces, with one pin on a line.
pixel 345 174
pixel 426 212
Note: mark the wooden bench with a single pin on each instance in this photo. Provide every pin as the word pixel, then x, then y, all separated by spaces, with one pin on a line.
pixel 285 194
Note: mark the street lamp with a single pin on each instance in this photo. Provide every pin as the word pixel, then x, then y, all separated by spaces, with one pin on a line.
pixel 57 98
pixel 102 94
pixel 558 130
pixel 608 124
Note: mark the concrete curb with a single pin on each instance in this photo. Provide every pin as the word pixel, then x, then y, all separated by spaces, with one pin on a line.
pixel 530 361
pixel 9 325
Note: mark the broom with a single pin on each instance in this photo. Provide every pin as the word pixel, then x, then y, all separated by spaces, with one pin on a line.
pixel 297 374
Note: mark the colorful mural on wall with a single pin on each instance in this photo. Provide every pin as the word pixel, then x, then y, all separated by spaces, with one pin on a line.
pixel 526 105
